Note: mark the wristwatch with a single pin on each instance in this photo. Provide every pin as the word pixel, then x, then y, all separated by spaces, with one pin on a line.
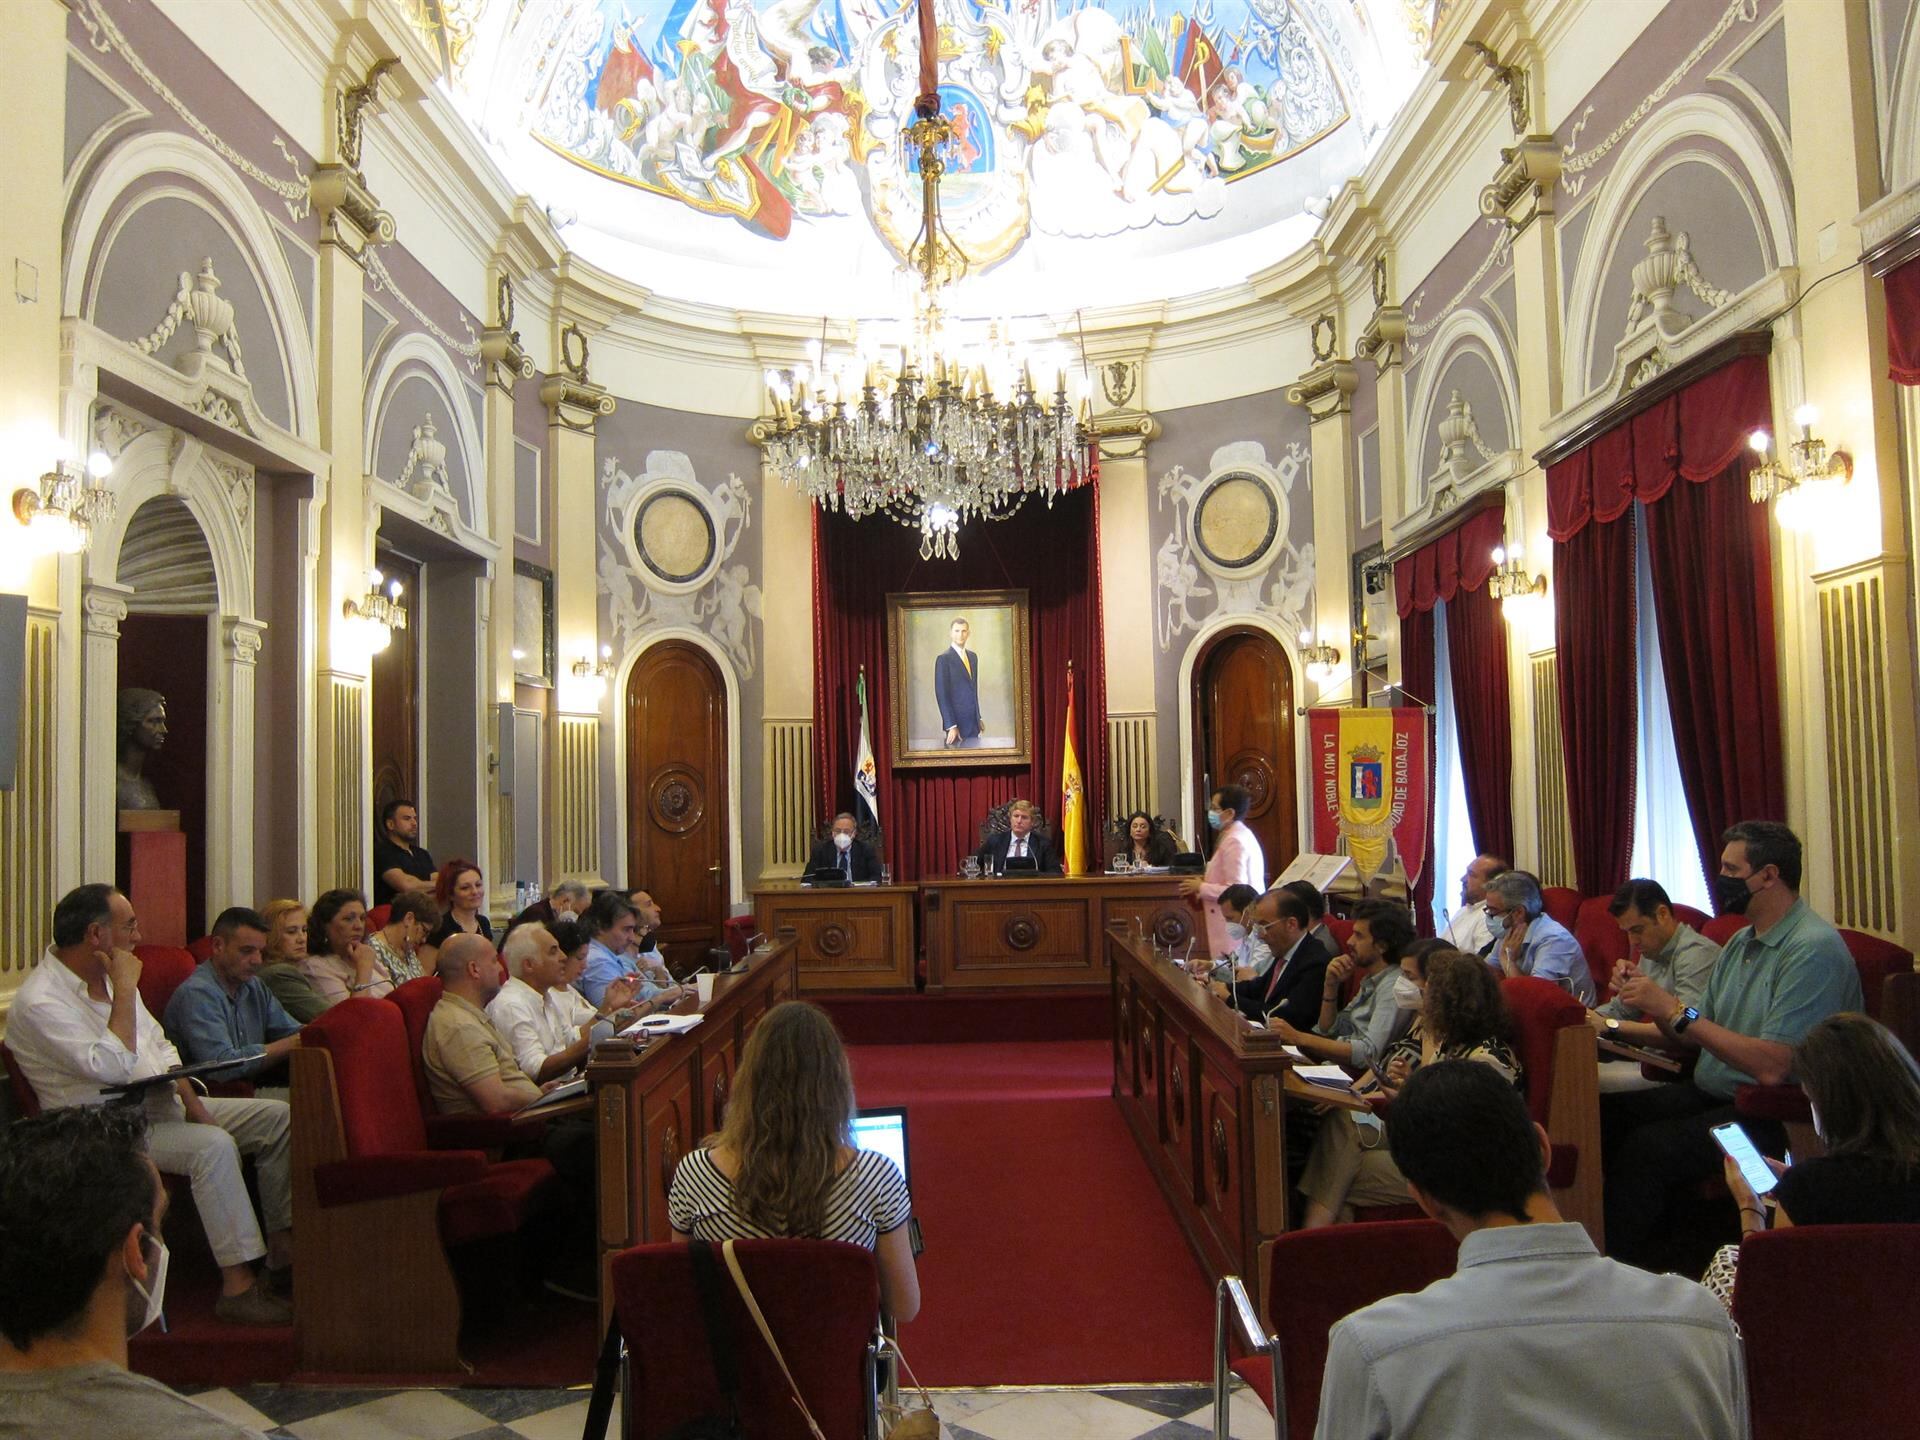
pixel 1613 1024
pixel 1685 1018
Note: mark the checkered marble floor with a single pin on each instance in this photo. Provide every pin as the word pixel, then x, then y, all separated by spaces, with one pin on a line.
pixel 286 1412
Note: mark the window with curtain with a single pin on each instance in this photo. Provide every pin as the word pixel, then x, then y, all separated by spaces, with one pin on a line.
pixel 1453 847
pixel 1663 836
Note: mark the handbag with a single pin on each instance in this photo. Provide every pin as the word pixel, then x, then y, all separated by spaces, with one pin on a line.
pixel 706 1279
pixel 918 1424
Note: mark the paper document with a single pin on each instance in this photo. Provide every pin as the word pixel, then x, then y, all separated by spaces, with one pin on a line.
pixel 1320 871
pixel 565 1091
pixel 1331 1076
pixel 663 1025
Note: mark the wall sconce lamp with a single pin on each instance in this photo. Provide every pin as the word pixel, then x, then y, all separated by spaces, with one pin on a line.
pixel 377 614
pixel 62 510
pixel 592 675
pixel 1320 660
pixel 1510 583
pixel 1798 482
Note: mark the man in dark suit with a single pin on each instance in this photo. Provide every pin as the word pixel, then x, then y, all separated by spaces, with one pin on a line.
pixel 1020 842
pixel 956 685
pixel 846 852
pixel 1292 986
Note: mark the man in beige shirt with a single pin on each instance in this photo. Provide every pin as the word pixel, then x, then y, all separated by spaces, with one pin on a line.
pixel 471 1070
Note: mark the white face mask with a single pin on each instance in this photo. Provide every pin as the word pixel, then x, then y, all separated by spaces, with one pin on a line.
pixel 153 1293
pixel 1236 933
pixel 843 840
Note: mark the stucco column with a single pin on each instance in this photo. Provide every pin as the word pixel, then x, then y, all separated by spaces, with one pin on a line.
pixel 574 407
pixel 1842 589
pixel 506 364
pixel 786 774
pixel 1325 392
pixel 103 607
pixel 1384 343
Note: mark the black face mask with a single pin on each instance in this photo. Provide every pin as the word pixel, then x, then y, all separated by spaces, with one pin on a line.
pixel 1730 892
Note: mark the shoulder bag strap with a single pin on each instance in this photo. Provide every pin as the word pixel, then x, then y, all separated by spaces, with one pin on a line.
pixel 600 1404
pixel 766 1333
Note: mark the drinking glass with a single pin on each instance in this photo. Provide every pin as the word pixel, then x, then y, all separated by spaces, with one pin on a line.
pixel 1122 865
pixel 970 867
pixel 886 873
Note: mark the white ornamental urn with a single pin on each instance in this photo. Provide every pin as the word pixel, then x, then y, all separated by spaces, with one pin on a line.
pixel 210 316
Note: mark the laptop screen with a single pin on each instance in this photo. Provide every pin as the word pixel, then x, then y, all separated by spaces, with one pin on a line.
pixel 885 1130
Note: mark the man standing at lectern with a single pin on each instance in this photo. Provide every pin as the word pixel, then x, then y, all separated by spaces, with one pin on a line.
pixel 956 685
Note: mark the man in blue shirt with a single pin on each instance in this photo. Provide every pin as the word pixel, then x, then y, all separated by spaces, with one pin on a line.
pixel 610 925
pixel 1774 981
pixel 1528 941
pixel 224 1010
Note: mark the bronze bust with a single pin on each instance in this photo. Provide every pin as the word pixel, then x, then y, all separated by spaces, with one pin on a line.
pixel 142 728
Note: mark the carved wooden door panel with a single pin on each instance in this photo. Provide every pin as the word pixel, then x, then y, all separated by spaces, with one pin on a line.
pixel 396 696
pixel 1243 712
pixel 677 789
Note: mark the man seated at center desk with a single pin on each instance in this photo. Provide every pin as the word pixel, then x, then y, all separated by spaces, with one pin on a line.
pixel 1020 843
pixel 846 852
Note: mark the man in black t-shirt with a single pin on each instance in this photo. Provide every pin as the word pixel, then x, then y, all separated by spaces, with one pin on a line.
pixel 399 861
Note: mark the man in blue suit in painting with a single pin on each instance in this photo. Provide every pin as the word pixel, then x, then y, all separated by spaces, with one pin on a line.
pixel 956 678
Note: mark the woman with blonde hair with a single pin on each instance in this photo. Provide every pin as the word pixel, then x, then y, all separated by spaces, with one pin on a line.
pixel 286 948
pixel 783 1162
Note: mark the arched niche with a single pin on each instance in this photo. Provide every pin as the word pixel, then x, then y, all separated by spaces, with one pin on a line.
pixel 417 409
pixel 1468 355
pixel 178 548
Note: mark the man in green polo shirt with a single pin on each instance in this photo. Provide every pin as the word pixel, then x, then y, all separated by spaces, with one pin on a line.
pixel 1774 981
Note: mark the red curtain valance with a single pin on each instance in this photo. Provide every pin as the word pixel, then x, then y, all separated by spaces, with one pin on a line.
pixel 1693 434
pixel 1460 559
pixel 1903 323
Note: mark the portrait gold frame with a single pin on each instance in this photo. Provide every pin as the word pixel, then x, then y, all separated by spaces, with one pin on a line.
pixel 903 672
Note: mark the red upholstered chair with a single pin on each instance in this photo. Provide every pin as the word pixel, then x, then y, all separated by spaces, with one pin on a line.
pixel 163 969
pixel 1325 1275
pixel 200 949
pixel 1342 932
pixel 376 1208
pixel 1601 939
pixel 378 917
pixel 737 930
pixel 1723 928
pixel 1698 919
pixel 821 1299
pixel 1561 1072
pixel 1821 1309
pixel 1900 1008
pixel 1562 904
pixel 415 1001
pixel 26 1104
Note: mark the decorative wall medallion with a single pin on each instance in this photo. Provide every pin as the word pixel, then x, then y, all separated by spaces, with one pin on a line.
pixel 673 532
pixel 1235 520
pixel 1252 771
pixel 1022 931
pixel 1117 382
pixel 832 941
pixel 1170 926
pixel 676 799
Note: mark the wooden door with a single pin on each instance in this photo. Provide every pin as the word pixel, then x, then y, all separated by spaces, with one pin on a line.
pixel 1243 714
pixel 677 787
pixel 396 695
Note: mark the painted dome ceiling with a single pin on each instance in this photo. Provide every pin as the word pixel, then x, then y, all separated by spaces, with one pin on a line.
pixel 752 153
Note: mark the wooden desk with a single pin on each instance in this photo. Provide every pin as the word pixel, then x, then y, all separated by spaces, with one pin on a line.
pixel 1049 931
pixel 657 1103
pixel 1205 1096
pixel 859 937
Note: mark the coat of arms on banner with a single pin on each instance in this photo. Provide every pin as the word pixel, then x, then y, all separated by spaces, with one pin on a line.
pixel 1371 783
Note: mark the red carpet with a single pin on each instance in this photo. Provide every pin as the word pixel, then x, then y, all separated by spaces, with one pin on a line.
pixel 958 1017
pixel 1052 1258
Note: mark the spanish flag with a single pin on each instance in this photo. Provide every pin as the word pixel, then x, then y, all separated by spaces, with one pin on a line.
pixel 1073 799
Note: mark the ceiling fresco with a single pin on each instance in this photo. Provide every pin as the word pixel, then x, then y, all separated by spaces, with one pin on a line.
pixel 786 119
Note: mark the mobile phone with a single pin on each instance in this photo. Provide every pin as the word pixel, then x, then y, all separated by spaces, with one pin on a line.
pixel 1744 1153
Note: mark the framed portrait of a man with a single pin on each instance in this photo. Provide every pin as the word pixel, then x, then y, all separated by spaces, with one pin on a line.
pixel 957 664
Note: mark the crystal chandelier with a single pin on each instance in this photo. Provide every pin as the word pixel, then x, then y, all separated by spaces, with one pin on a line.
pixel 946 432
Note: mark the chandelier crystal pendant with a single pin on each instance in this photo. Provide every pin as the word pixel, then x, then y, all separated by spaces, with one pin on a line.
pixel 941 431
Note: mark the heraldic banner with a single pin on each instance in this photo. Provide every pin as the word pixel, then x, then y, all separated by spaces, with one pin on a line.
pixel 1371 786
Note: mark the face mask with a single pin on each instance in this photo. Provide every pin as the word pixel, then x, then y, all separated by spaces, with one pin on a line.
pixel 1216 819
pixel 1236 933
pixel 152 1294
pixel 843 840
pixel 1496 925
pixel 1732 893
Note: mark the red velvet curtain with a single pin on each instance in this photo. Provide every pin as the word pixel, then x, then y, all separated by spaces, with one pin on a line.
pixel 1712 579
pixel 1417 670
pixel 1903 323
pixel 931 817
pixel 1454 568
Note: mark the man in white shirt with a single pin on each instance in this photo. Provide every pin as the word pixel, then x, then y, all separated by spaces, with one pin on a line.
pixel 1535 1333
pixel 1468 930
pixel 544 1020
pixel 78 1024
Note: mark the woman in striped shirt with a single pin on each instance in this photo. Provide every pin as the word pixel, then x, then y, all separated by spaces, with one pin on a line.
pixel 784 1162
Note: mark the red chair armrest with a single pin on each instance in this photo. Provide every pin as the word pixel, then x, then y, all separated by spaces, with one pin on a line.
pixel 479 1132
pixel 382 1177
pixel 1564 1165
pixel 1773 1102
pixel 231 1089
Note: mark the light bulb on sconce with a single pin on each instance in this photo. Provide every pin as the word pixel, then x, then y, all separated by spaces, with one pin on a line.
pixel 1510 583
pixel 1319 660
pixel 61 512
pixel 591 675
pixel 378 613
pixel 1802 482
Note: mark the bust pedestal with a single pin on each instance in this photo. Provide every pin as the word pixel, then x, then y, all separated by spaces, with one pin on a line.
pixel 152 864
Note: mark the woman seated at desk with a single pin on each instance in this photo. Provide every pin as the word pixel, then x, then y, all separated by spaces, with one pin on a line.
pixel 1462 1017
pixel 1145 843
pixel 784 1162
